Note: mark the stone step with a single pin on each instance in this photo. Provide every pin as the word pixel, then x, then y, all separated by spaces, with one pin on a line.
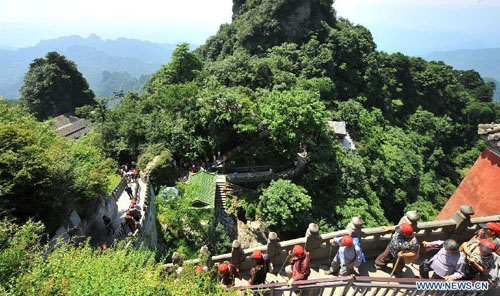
pixel 322 275
pixel 318 270
pixel 271 278
pixel 241 283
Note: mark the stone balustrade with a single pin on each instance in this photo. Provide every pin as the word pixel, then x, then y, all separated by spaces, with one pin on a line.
pixel 260 176
pixel 374 240
pixel 118 190
pixel 146 230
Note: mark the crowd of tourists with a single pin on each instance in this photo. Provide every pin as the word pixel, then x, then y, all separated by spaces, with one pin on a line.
pixel 200 165
pixel 447 260
pixel 134 212
pixel 473 260
pixel 131 171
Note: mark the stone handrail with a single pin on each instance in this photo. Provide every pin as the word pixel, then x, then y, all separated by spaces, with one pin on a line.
pixel 267 175
pixel 118 190
pixel 355 285
pixel 148 218
pixel 460 227
pixel 259 168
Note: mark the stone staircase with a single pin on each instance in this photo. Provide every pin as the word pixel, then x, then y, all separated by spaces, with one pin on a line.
pixel 366 283
pixel 318 269
pixel 220 194
pixel 222 189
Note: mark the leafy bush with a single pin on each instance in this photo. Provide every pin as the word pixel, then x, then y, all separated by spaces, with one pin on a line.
pixel 114 180
pixel 20 249
pixel 45 175
pixel 285 207
pixel 250 212
pixel 113 271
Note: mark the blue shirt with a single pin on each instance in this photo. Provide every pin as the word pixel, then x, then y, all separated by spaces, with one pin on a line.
pixel 348 255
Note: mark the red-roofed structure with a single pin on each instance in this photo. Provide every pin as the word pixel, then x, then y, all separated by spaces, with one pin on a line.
pixel 481 186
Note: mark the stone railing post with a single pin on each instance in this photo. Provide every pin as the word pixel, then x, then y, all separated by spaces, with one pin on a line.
pixel 236 253
pixel 272 245
pixel 176 259
pixel 354 227
pixel 205 258
pixel 462 218
pixel 312 237
pixel 411 217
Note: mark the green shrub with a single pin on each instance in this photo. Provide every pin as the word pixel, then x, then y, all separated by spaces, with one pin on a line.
pixel 19 249
pixel 116 271
pixel 114 180
pixel 43 174
pixel 285 207
pixel 250 211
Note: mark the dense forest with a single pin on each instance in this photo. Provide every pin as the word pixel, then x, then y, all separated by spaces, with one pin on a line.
pixel 414 121
pixel 285 67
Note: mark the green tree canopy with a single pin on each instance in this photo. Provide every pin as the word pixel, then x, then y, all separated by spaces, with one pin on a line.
pixel 28 268
pixel 43 175
pixel 183 67
pixel 293 117
pixel 285 207
pixel 53 86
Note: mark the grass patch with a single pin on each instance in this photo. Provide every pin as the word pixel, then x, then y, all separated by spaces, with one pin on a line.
pixel 113 181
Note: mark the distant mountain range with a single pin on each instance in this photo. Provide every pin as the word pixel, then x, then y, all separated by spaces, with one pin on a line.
pixel 6 47
pixel 126 62
pixel 484 61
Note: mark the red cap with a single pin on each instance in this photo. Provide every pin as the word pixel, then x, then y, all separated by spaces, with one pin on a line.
pixel 104 246
pixel 406 228
pixel 347 240
pixel 493 226
pixel 128 212
pixel 198 269
pixel 298 250
pixel 488 244
pixel 257 255
pixel 223 268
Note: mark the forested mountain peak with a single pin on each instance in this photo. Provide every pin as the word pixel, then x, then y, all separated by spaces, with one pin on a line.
pixel 260 24
pixel 414 120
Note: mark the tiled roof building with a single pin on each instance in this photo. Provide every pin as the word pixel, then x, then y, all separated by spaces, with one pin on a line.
pixel 71 126
pixel 481 186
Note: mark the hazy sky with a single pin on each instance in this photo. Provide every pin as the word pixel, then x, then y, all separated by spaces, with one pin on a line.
pixel 410 26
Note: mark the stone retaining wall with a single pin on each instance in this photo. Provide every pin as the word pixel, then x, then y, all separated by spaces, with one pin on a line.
pixel 146 232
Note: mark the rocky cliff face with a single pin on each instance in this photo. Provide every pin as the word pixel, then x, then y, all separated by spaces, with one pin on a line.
pixel 237 6
pixel 261 24
pixel 294 22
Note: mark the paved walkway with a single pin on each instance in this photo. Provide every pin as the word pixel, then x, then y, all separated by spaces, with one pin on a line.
pixel 124 201
pixel 100 236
